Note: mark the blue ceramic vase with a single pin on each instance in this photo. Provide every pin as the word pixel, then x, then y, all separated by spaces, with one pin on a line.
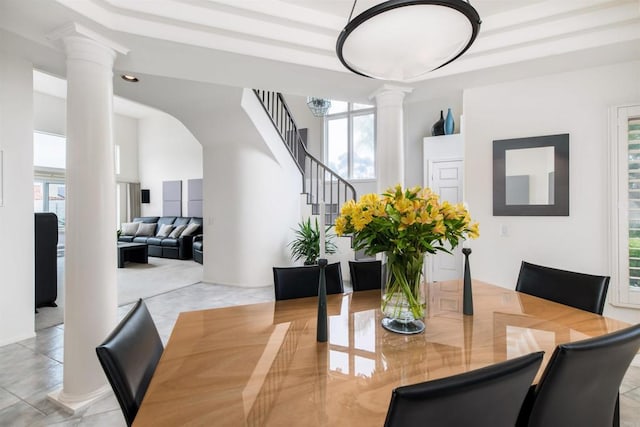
pixel 449 124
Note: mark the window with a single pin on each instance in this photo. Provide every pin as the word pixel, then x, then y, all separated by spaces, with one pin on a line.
pixel 625 170
pixel 350 140
pixel 49 151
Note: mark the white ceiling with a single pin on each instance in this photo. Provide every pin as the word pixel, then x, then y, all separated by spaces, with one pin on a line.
pixel 289 45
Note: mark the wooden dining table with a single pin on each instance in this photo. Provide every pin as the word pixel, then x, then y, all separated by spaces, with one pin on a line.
pixel 261 365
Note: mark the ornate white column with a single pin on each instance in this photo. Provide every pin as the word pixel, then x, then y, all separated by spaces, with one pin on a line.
pixel 390 135
pixel 90 300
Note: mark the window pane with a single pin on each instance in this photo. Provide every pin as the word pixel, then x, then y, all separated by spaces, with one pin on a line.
pixel 361 106
pixel 634 197
pixel 49 150
pixel 337 146
pixel 56 201
pixel 363 147
pixel 38 199
pixel 338 107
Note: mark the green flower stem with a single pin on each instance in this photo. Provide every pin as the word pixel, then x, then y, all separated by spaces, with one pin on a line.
pixel 404 274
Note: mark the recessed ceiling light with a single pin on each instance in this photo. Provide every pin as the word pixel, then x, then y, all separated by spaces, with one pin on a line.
pixel 129 78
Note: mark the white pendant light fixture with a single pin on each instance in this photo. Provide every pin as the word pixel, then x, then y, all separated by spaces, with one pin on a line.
pixel 403 40
pixel 318 106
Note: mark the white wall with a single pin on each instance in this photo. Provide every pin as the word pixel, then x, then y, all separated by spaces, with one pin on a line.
pixel 125 134
pixel 304 119
pixel 16 213
pixel 419 117
pixel 576 103
pixel 49 114
pixel 167 152
pixel 252 199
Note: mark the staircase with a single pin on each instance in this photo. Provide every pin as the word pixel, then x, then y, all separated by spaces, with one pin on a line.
pixel 319 182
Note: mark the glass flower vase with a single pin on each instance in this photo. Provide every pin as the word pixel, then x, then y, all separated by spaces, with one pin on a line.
pixel 403 293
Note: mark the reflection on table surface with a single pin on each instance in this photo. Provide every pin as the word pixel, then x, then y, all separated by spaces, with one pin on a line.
pixel 260 364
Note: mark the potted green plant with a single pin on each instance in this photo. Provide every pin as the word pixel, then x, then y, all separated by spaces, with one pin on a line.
pixel 306 244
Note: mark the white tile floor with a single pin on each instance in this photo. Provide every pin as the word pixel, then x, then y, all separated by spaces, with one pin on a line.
pixel 30 369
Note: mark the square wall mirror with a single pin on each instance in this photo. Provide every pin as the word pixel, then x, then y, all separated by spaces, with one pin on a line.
pixel 531 176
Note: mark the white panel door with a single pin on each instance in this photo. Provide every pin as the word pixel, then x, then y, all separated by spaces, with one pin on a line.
pixel 446 180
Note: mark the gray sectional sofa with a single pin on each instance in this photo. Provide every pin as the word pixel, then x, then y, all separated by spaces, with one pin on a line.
pixel 166 237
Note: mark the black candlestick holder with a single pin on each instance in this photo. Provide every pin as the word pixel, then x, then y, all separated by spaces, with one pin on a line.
pixel 321 335
pixel 467 295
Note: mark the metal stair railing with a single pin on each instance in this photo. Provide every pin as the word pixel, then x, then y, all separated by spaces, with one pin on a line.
pixel 319 182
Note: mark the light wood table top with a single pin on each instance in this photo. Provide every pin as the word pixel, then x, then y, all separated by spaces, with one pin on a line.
pixel 260 364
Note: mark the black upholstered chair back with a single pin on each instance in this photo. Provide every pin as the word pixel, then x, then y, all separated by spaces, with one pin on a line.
pixel 490 397
pixel 300 282
pixel 129 356
pixel 365 275
pixel 580 385
pixel 583 291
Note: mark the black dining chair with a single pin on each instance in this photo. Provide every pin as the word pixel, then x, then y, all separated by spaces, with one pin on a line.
pixel 580 384
pixel 365 275
pixel 579 290
pixel 490 396
pixel 129 356
pixel 300 282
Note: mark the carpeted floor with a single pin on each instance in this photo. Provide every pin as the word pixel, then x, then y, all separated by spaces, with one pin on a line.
pixel 134 281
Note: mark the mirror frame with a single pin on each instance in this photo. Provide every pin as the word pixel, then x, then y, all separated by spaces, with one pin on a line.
pixel 560 143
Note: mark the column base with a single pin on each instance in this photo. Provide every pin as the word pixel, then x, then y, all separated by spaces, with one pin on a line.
pixel 73 404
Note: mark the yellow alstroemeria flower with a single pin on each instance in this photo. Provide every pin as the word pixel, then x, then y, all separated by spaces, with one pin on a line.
pixel 408 219
pixel 370 201
pixel 360 221
pixel 372 217
pixel 424 218
pixel 403 205
pixel 380 209
pixel 415 190
pixel 348 208
pixel 447 210
pixel 474 230
pixel 340 225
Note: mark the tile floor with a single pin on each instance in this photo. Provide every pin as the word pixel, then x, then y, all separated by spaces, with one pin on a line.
pixel 30 369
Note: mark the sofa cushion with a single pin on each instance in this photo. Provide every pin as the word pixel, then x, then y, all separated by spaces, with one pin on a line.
pixel 165 230
pixel 181 220
pixel 140 239
pixel 191 230
pixel 197 246
pixel 146 219
pixel 166 220
pixel 154 241
pixel 169 242
pixel 146 229
pixel 127 239
pixel 177 231
pixel 129 228
pixel 195 220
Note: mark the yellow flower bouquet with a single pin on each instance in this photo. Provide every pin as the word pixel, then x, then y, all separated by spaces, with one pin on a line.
pixel 404 224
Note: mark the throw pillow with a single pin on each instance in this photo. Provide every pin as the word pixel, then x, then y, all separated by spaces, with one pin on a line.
pixel 164 231
pixel 129 228
pixel 191 228
pixel 146 229
pixel 177 231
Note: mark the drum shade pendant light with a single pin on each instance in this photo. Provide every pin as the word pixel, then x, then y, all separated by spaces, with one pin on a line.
pixel 318 106
pixel 405 39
